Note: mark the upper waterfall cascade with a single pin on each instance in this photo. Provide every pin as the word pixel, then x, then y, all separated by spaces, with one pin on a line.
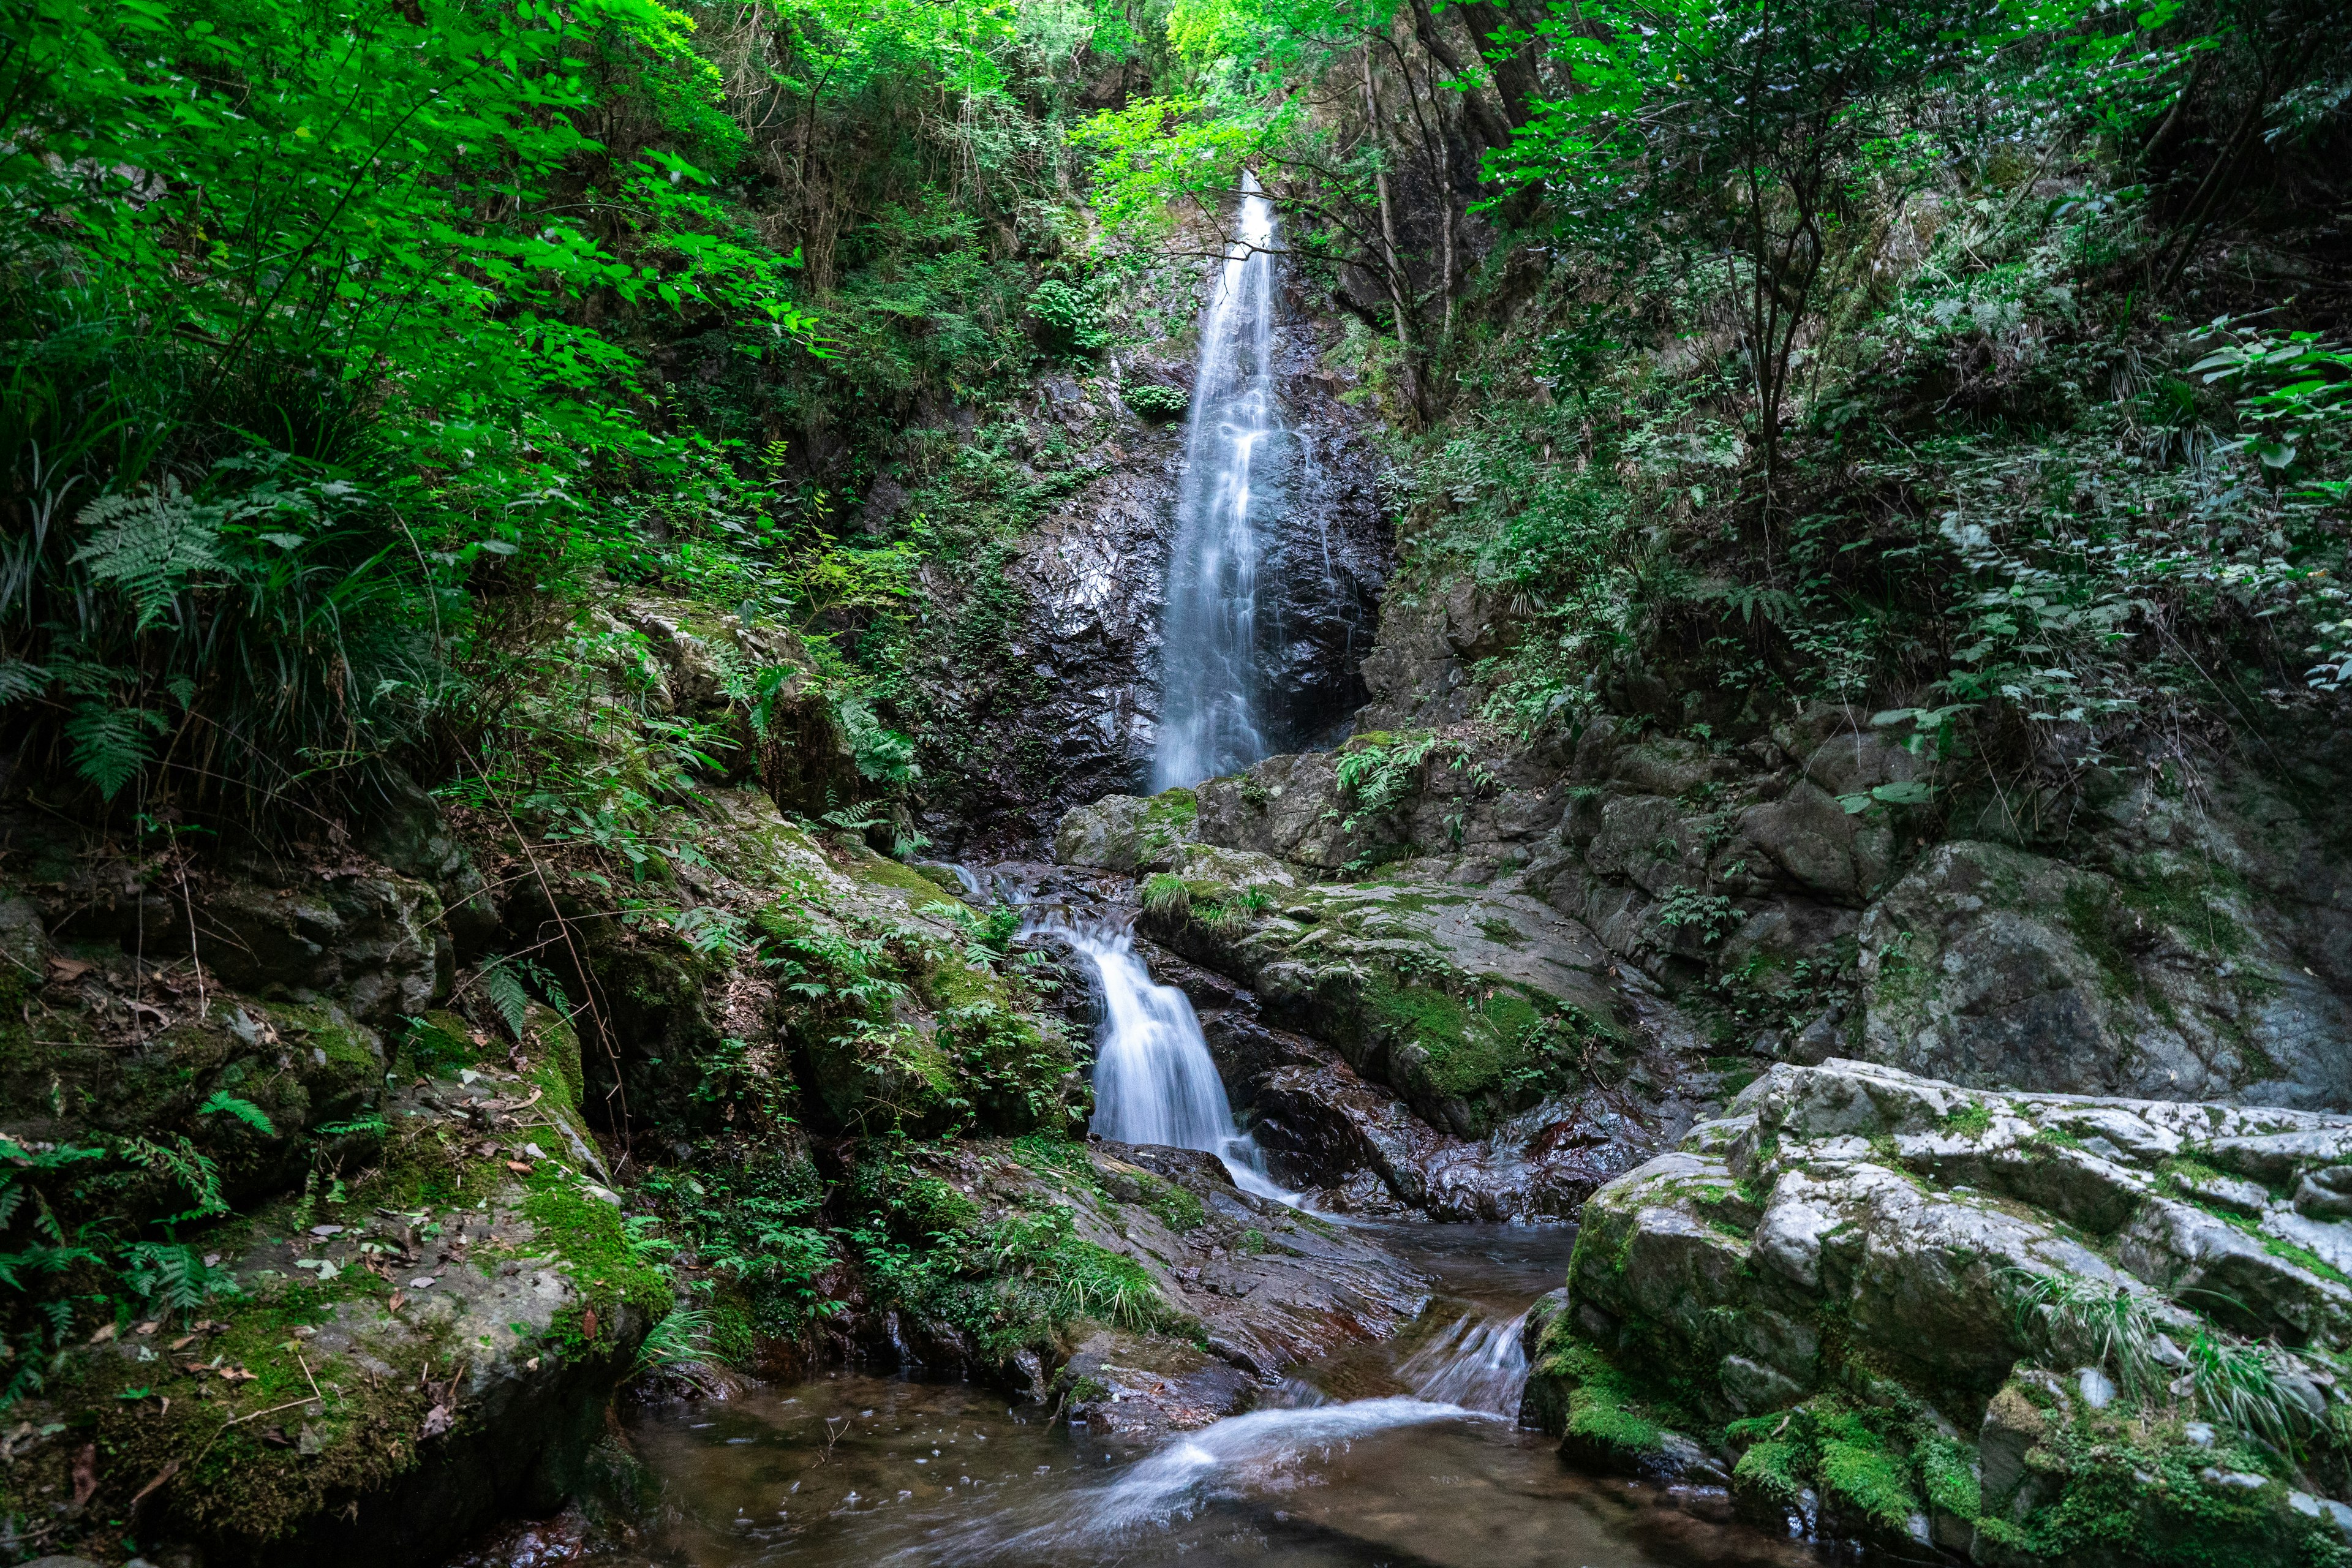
pixel 1211 719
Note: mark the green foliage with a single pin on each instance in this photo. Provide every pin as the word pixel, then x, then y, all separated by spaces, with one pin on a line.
pixel 1164 893
pixel 1067 321
pixel 222 1102
pixel 291 367
pixel 1155 401
pixel 1379 773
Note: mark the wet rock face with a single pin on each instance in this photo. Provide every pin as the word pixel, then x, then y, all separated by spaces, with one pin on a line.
pixel 1364 1151
pixel 2190 935
pixel 1072 714
pixel 1263 1287
pixel 1854 1237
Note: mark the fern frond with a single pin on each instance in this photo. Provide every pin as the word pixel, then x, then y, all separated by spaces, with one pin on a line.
pixel 505 990
pixel 149 544
pixel 111 745
pixel 244 1111
pixel 20 680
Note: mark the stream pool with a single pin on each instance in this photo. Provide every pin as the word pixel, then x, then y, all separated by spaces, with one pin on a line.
pixel 1355 1463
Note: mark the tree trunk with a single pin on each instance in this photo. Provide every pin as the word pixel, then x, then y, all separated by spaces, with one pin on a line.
pixel 1388 256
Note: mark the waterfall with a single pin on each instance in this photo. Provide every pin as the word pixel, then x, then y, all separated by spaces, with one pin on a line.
pixel 1154 1082
pixel 1210 721
pixel 1478 1364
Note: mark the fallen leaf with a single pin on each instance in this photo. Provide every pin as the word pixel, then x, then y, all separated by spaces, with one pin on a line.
pixel 519 1166
pixel 237 1375
pixel 85 1474
pixel 436 1421
pixel 276 1437
pixel 182 1342
pixel 166 1474
pixel 102 1335
pixel 149 1328
pixel 588 1324
pixel 148 1009
pixel 66 971
pixel 398 1300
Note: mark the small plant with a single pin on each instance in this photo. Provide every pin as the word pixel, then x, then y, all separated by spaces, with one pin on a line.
pixel 1166 894
pixel 1159 403
pixel 1710 914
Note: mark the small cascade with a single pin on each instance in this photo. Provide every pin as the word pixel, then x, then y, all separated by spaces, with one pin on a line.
pixel 1210 718
pixel 1154 1081
pixel 1476 1364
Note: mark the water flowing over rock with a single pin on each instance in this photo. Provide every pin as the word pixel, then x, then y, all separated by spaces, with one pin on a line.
pixel 1210 718
pixel 1154 1080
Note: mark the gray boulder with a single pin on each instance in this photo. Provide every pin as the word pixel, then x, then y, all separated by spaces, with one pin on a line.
pixel 1970 1316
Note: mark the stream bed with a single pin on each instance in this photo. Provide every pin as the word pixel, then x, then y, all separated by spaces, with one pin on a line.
pixel 1386 1456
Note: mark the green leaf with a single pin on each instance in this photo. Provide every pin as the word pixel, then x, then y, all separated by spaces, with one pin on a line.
pixel 224 1103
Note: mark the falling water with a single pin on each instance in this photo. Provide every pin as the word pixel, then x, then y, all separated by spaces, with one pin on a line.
pixel 1478 1364
pixel 1154 1082
pixel 1209 722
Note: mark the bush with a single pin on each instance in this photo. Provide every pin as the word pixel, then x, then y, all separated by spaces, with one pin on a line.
pixel 1155 401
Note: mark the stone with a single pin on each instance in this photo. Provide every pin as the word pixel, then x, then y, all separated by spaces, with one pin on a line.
pixel 1125 832
pixel 1988 964
pixel 1958 1250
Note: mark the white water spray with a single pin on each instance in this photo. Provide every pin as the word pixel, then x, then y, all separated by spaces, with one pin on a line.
pixel 1209 717
pixel 1476 1362
pixel 1154 1082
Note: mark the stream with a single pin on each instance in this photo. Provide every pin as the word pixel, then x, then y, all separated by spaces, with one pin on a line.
pixel 1382 1455
pixel 1387 1456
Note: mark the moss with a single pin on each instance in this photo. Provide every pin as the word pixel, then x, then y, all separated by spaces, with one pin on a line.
pixel 1177 1209
pixel 1970 1122
pixel 1770 1479
pixel 878 871
pixel 1863 1477
pixel 2133 1489
pixel 1253 1242
pixel 439 1042
pixel 586 1232
pixel 1606 1420
pixel 1473 1049
pixel 1948 1475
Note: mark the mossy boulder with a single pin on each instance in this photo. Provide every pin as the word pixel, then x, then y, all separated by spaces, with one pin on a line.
pixel 2025 1326
pixel 1470 1003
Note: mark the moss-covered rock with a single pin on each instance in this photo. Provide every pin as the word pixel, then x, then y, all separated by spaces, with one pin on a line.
pixel 2000 1324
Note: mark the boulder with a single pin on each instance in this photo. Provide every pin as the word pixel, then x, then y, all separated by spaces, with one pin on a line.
pixel 1470 1003
pixel 1991 965
pixel 1962 1315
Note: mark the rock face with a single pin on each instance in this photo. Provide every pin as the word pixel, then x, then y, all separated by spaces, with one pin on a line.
pixel 2186 931
pixel 2018 1325
pixel 396 1375
pixel 1995 966
pixel 1461 999
pixel 1225 1289
pixel 1056 702
pixel 1360 1146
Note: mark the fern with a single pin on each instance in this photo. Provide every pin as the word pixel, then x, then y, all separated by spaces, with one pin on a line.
pixel 505 989
pixel 20 680
pixel 171 1276
pixel 189 1167
pixel 109 743
pixel 149 544
pixel 224 1103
